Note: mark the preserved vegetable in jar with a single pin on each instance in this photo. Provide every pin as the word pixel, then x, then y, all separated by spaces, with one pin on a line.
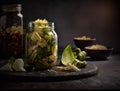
pixel 41 44
pixel 11 31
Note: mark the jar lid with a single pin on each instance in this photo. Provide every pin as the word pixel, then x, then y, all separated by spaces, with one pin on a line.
pixel 12 7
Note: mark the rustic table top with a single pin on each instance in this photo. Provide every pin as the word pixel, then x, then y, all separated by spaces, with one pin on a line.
pixel 108 77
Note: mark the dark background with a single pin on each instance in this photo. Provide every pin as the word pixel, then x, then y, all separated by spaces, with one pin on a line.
pixel 98 19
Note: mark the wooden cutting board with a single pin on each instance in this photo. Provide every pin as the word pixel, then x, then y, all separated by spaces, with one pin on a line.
pixel 53 75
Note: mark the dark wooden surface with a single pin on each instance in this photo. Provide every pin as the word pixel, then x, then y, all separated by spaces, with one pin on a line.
pixel 108 77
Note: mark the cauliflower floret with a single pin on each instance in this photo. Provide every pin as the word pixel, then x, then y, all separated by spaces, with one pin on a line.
pixel 19 65
pixel 40 21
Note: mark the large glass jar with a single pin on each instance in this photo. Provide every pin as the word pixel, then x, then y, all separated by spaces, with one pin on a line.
pixel 41 44
pixel 11 31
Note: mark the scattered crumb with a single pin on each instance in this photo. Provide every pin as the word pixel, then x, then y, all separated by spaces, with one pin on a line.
pixel 52 71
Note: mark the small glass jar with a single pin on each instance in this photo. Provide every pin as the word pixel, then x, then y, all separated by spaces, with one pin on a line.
pixel 41 44
pixel 11 31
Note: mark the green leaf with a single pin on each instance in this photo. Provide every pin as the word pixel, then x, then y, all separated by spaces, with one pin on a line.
pixel 11 60
pixel 67 56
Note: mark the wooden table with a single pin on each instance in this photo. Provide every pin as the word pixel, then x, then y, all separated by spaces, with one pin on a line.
pixel 108 77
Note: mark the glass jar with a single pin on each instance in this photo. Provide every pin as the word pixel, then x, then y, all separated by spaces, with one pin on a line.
pixel 41 44
pixel 11 31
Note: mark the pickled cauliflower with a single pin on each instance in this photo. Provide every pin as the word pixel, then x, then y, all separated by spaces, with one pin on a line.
pixel 18 65
pixel 14 65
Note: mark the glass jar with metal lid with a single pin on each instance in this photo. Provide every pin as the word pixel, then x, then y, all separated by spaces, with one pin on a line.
pixel 11 31
pixel 41 44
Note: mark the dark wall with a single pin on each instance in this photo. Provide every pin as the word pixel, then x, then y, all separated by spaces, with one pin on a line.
pixel 93 18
